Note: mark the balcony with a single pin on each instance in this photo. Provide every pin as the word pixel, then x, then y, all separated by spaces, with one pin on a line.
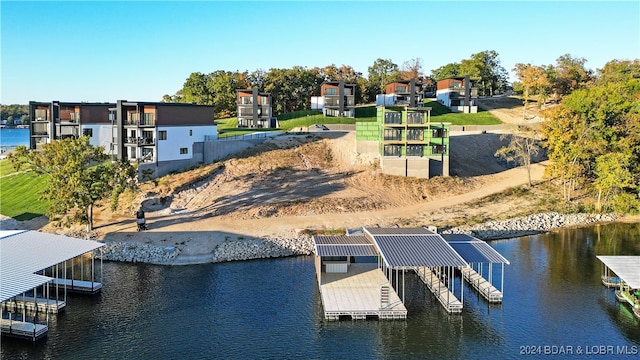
pixel 415 118
pixel 139 141
pixel 334 101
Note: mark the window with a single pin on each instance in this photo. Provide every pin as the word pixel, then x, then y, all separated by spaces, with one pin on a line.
pixel 439 133
pixel 162 135
pixel 415 150
pixel 415 134
pixel 184 151
pixel 414 118
pixel 330 91
pixel 392 150
pixel 401 89
pixel 87 132
pixel 190 132
pixel 148 118
pixel 392 118
pixel 392 134
pixel 439 149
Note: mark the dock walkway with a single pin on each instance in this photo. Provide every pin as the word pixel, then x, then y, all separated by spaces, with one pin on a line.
pixel 439 289
pixel 24 330
pixel 77 286
pixel 482 285
pixel 362 291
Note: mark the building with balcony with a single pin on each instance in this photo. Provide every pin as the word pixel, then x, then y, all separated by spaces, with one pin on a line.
pixel 336 99
pixel 57 120
pixel 254 109
pixel 401 93
pixel 162 137
pixel 406 142
pixel 458 94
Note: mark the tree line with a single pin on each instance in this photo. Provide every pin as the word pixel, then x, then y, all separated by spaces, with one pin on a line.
pixel 593 135
pixel 14 112
pixel 292 88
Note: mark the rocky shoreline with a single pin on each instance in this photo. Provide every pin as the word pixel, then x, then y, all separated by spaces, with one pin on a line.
pixel 529 225
pixel 247 249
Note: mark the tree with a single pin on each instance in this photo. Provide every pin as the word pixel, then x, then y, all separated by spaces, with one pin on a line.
pixel 79 176
pixel 446 71
pixel 523 145
pixel 570 75
pixel 618 71
pixel 412 69
pixel 533 79
pixel 381 73
pixel 612 176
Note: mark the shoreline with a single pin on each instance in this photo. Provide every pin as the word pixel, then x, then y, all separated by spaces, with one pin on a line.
pixel 264 248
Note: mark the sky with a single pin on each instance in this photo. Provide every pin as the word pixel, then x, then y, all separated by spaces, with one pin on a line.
pixel 139 51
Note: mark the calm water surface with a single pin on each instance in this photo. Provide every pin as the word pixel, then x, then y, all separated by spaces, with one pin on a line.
pixel 271 309
pixel 14 137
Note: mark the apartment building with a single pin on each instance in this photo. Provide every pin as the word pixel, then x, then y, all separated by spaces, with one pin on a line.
pixel 254 109
pixel 401 93
pixel 163 137
pixel 338 99
pixel 458 94
pixel 406 142
pixel 57 120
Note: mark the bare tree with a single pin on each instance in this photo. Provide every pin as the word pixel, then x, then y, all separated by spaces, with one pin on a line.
pixel 523 145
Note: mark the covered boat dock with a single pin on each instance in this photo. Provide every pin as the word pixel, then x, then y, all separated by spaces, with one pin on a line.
pixel 481 258
pixel 627 281
pixel 30 262
pixel 350 287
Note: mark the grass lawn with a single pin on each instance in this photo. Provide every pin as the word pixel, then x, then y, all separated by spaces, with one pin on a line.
pixel 442 113
pixel 20 194
pixel 6 168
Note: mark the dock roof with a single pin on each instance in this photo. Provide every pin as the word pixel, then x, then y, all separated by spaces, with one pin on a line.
pixel 22 253
pixel 343 246
pixel 414 247
pixel 626 267
pixel 474 250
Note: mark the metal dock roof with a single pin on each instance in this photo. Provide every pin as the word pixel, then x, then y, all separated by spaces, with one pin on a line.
pixel 22 253
pixel 343 246
pixel 474 250
pixel 626 267
pixel 417 250
pixel 399 231
pixel 340 240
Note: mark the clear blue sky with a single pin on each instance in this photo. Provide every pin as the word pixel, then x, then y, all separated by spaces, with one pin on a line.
pixel 105 51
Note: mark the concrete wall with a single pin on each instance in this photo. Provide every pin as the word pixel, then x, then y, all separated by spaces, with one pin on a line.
pixel 217 150
pixel 418 167
pixel 410 166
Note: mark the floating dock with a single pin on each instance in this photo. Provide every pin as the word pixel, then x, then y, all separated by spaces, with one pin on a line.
pixel 363 291
pixel 26 258
pixel 441 291
pixel 350 286
pixel 627 269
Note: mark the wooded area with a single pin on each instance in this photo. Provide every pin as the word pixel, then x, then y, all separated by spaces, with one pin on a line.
pixel 292 88
pixel 593 136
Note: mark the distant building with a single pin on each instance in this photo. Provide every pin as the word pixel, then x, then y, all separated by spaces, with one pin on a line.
pixel 401 93
pixel 254 109
pixel 336 99
pixel 458 94
pixel 406 142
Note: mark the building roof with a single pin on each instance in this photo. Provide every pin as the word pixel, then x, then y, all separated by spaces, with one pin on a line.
pixel 22 253
pixel 343 246
pixel 410 250
pixel 626 267
pixel 346 250
pixel 474 250
pixel 400 231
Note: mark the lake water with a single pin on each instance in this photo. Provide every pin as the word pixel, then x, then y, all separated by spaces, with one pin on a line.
pixel 271 309
pixel 14 137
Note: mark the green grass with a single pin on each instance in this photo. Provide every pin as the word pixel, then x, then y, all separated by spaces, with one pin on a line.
pixel 6 168
pixel 296 119
pixel 20 194
pixel 441 113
